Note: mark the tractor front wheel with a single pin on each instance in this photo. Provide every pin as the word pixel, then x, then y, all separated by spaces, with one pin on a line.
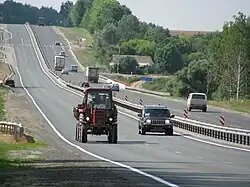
pixel 112 136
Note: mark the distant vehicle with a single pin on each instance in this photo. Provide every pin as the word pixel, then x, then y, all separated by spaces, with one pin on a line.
pixel 92 74
pixel 59 63
pixel 155 118
pixel 65 72
pixel 114 87
pixel 74 68
pixel 57 43
pixel 197 101
pixel 85 85
pixel 62 53
pixel 41 21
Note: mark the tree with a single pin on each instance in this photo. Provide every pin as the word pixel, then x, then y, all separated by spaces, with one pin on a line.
pixel 12 12
pixel 128 65
pixel 234 60
pixel 128 27
pixel 77 12
pixel 169 59
pixel 138 47
pixel 65 12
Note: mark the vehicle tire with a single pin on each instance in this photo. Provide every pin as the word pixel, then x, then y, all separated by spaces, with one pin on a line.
pixel 169 132
pixel 84 135
pixel 143 131
pixel 113 135
pixel 76 135
pixel 204 110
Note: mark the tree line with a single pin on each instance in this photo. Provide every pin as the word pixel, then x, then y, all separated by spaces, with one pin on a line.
pixel 216 63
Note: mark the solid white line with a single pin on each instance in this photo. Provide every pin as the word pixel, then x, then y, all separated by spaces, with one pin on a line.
pixel 133 117
pixel 76 146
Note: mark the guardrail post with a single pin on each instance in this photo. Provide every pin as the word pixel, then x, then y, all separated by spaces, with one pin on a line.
pixel 222 120
pixel 185 114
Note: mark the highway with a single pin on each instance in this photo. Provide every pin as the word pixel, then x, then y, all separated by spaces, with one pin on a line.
pixel 47 37
pixel 175 159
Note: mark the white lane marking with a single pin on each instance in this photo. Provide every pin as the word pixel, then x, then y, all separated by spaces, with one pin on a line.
pixel 22 42
pixel 133 117
pixel 160 180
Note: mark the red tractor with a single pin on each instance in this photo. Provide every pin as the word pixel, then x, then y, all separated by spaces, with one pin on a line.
pixel 97 114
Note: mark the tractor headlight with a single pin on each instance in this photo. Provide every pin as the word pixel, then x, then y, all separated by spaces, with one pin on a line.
pixel 148 121
pixel 110 119
pixel 87 118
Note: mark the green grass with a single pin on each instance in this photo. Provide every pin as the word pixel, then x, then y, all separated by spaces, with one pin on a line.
pixel 6 161
pixel 128 79
pixel 157 84
pixel 2 110
pixel 85 56
pixel 240 106
pixel 71 33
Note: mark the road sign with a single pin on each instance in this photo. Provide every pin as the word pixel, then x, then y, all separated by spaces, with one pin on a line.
pixel 146 79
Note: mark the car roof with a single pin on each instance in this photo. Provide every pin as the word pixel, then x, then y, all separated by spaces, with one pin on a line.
pixel 154 107
pixel 197 93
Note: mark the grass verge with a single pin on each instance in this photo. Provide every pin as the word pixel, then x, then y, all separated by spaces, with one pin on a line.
pixel 8 161
pixel 240 106
pixel 84 55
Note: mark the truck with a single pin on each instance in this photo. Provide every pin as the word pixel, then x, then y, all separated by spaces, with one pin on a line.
pixel 59 63
pixel 92 74
pixel 41 21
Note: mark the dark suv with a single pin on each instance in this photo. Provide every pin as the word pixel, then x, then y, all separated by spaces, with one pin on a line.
pixel 155 118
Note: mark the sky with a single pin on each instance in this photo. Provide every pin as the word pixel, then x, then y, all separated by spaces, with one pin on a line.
pixel 198 15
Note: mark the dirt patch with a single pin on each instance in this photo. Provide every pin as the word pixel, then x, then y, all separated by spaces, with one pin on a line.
pixel 4 70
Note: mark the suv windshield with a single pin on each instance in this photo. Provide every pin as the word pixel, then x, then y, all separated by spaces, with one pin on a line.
pixel 158 112
pixel 99 100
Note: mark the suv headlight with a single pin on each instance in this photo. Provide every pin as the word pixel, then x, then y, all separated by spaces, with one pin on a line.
pixel 148 121
pixel 167 122
pixel 110 119
pixel 87 118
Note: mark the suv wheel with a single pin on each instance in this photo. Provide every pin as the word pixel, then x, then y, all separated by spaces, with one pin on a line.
pixel 143 131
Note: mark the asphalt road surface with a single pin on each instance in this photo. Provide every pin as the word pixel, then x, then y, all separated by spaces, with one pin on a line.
pixel 47 37
pixel 178 160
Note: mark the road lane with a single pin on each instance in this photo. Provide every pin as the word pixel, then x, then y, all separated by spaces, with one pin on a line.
pixel 48 36
pixel 51 50
pixel 175 159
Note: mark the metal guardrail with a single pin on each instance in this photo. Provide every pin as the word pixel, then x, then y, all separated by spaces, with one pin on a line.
pixel 14 129
pixel 239 136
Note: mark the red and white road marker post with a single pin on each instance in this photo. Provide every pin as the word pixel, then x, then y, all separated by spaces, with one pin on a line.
pixel 222 120
pixel 185 114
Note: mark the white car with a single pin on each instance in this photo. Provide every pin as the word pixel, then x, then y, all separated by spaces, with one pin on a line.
pixel 197 101
pixel 62 53
pixel 64 72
